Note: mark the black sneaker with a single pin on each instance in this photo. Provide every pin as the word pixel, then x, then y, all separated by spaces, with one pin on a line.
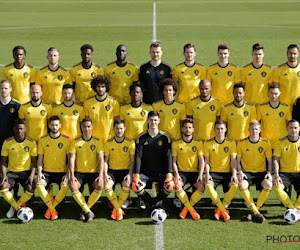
pixel 82 215
pixel 260 218
pixel 89 216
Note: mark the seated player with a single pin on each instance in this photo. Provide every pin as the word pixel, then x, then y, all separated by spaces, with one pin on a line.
pixel 286 160
pixel 18 155
pixel 153 163
pixel 51 166
pixel 86 166
pixel 251 162
pixel 188 165
pixel 119 162
pixel 220 158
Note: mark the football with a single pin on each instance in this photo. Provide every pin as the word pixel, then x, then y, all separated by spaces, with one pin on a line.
pixel 158 216
pixel 25 214
pixel 291 216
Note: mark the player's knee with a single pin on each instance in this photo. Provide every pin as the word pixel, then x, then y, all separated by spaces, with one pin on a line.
pixel 243 184
pixel 42 183
pixel 266 184
pixel 233 185
pixel 74 186
pixel 125 184
pixel 29 188
pixel 96 186
pixel 199 186
pixel 4 185
pixel 178 185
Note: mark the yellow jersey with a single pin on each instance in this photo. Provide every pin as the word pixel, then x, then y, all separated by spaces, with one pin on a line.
pixel 188 78
pixel 55 152
pixel 19 153
pixel 204 115
pixel 253 154
pixel 219 154
pixel 20 80
pixel 121 79
pixel 135 119
pixel 170 116
pixel 222 80
pixel 82 78
pixel 86 160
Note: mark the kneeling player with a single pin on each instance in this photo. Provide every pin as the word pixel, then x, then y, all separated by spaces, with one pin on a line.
pixel 251 160
pixel 19 153
pixel 53 151
pixel 220 159
pixel 119 162
pixel 86 166
pixel 188 165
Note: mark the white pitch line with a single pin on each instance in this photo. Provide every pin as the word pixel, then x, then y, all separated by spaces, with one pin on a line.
pixel 154 22
pixel 144 2
pixel 159 236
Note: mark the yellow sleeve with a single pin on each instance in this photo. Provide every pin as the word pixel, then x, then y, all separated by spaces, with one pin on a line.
pixel 4 151
pixel 205 149
pixel 38 79
pixel 106 148
pixel 116 108
pixel 203 73
pixel 32 75
pixel 189 109
pixel 200 149
pixel 253 113
pixel 219 109
pixel 100 146
pixel 72 74
pixel 237 76
pixel 100 72
pixel 72 147
pixel 122 116
pixel 174 149
pixel 40 147
pixel 243 75
pixel 271 77
pixel 86 110
pixel 68 78
pixel 239 150
pixel 132 148
pixel 3 75
pixel 258 114
pixel 22 112
pixel 208 73
pixel 33 149
pixel 289 115
pixel 135 76
pixel 49 111
pixel 268 150
pixel 106 71
pixel 224 114
pixel 182 114
pixel 277 150
pixel 233 149
pixel 276 75
pixel 175 75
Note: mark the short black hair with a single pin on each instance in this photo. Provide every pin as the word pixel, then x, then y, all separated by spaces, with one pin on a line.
pixel 86 119
pixel 291 121
pixel 19 47
pixel 119 121
pixel 68 86
pixel 86 46
pixel 292 46
pixel 19 121
pixel 239 85
pixel 136 85
pixel 54 118
pixel 152 113
pixel 101 79
pixel 187 120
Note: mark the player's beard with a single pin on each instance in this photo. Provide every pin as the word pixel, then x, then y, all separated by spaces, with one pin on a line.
pixel 35 99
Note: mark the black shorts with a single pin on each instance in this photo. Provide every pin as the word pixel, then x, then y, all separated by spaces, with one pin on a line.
pixel 17 177
pixel 255 178
pixel 84 178
pixel 53 177
pixel 189 177
pixel 221 179
pixel 151 177
pixel 289 179
pixel 117 175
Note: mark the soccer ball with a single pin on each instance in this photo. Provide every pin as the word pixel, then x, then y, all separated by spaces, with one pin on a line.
pixel 158 216
pixel 25 214
pixel 291 216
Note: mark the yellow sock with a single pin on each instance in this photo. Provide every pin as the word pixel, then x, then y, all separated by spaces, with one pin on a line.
pixel 182 196
pixel 26 196
pixel 111 195
pixel 283 196
pixel 95 195
pixel 248 198
pixel 79 198
pixel 123 195
pixel 263 196
pixel 196 196
pixel 45 195
pixel 61 194
pixel 214 196
pixel 297 203
pixel 230 193
pixel 7 195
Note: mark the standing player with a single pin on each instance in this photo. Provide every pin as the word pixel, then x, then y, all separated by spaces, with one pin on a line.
pixel 152 73
pixel 274 116
pixel 52 167
pixel 52 77
pixel 18 155
pixel 286 160
pixel 135 113
pixel 119 163
pixel 35 113
pixel 188 75
pixel 101 108
pixel 20 74
pixel 86 166
pixel 220 158
pixel 204 110
pixel 153 163
pixel 188 166
pixel 82 74
pixel 171 112
pixel 251 162
pixel 257 76
pixel 223 75
pixel 238 114
pixel 122 74
pixel 69 113
pixel 287 75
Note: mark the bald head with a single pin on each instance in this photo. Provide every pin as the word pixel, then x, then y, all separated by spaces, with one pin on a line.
pixel 205 88
pixel 36 93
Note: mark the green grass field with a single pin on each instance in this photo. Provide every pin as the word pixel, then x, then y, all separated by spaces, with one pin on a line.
pixel 38 25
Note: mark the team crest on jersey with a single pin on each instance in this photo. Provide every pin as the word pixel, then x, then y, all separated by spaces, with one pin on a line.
pixel 93 74
pixel 107 107
pixel 42 112
pixel 143 113
pixel 229 73
pixel 75 112
pixel 226 149
pixel 298 73
pixel 194 149
pixel 281 114
pixel 159 143
pixel 60 145
pixel 263 74
pixel 196 71
pixel 212 107
pixel 12 110
pixel 125 149
pixel 92 147
pixel 25 74
pixel 60 77
pixel 174 111
pixel 246 113
pixel 161 72
pixel 260 149
pixel 147 72
pixel 128 72
pixel 26 148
